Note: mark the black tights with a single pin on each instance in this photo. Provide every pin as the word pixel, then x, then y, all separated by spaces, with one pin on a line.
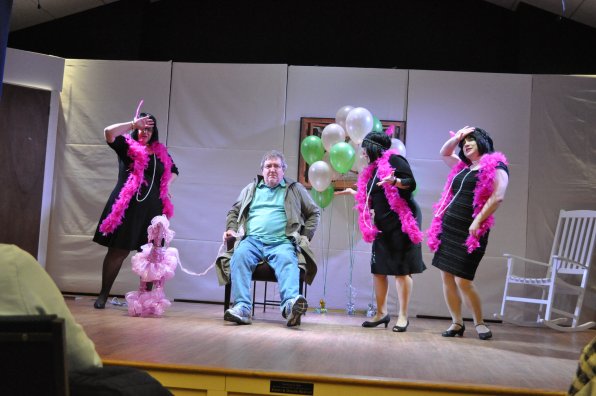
pixel 111 267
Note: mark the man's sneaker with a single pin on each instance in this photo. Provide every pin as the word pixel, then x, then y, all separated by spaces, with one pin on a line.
pixel 296 308
pixel 238 314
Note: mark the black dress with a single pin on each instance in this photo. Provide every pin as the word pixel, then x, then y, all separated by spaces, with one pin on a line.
pixel 452 255
pixel 392 251
pixel 132 233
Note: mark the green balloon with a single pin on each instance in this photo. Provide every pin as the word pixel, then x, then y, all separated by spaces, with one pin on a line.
pixel 312 149
pixel 377 125
pixel 415 192
pixel 342 157
pixel 324 198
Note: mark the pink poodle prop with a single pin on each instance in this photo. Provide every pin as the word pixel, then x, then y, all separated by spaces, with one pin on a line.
pixel 155 264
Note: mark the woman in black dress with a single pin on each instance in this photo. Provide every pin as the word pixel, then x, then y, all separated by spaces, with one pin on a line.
pixel 390 218
pixel 462 220
pixel 145 173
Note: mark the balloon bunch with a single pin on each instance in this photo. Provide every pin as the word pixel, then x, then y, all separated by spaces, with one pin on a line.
pixel 335 152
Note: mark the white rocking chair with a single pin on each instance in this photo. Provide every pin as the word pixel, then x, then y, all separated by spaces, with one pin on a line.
pixel 565 274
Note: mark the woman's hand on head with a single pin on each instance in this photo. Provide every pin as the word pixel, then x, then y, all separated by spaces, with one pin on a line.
pixel 462 133
pixel 143 122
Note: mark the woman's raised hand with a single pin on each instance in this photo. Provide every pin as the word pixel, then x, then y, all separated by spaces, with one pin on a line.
pixel 462 133
pixel 142 123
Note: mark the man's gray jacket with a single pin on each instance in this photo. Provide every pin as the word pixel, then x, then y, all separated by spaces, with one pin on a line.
pixel 302 220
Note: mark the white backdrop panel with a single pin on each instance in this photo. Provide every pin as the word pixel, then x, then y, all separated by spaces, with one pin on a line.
pixel 228 106
pixel 196 256
pixel 439 101
pixel 83 258
pixel 563 163
pixel 98 93
pixel 563 155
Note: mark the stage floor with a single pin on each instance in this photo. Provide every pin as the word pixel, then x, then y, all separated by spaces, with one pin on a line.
pixel 335 344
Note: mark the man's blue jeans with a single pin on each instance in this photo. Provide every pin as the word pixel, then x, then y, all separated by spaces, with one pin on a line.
pixel 282 258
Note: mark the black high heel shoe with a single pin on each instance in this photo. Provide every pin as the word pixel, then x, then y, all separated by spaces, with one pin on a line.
pixel 453 333
pixel 401 329
pixel 486 335
pixel 384 320
pixel 100 303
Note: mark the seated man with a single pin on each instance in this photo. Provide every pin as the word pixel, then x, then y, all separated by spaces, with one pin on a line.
pixel 279 217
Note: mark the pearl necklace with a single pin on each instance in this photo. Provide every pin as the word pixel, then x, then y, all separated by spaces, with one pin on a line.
pixel 151 185
pixel 442 208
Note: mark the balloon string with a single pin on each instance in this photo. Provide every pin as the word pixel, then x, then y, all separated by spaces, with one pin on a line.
pixel 323 258
pixel 352 244
pixel 326 259
pixel 351 231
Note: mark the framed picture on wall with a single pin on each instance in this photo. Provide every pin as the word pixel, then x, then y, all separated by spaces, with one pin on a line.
pixel 314 126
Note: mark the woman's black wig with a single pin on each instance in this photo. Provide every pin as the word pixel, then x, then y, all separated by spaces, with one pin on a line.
pixel 154 135
pixel 483 141
pixel 375 144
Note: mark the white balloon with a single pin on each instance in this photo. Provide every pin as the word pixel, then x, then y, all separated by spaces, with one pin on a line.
pixel 332 133
pixel 361 161
pixel 359 122
pixel 319 175
pixel 335 175
pixel 397 145
pixel 340 116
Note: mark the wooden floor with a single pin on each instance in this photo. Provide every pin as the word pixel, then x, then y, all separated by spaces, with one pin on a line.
pixel 335 344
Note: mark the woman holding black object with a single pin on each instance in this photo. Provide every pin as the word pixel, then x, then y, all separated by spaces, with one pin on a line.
pixel 390 218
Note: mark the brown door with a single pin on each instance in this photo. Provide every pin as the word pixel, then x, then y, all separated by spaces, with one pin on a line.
pixel 24 114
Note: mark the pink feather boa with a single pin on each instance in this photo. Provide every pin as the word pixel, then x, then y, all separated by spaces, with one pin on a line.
pixel 140 160
pixel 397 203
pixel 482 192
